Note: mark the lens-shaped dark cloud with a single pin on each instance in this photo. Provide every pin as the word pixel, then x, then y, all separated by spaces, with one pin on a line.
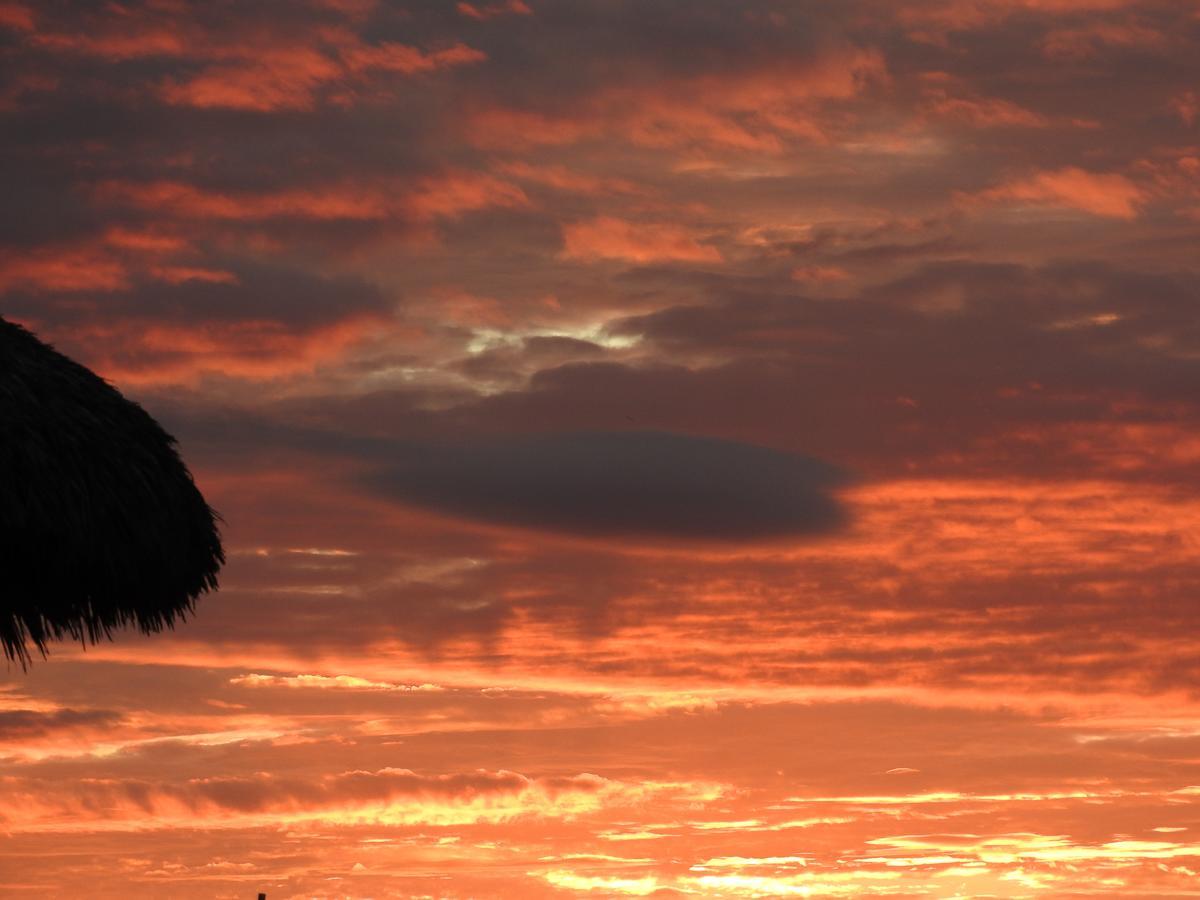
pixel 607 484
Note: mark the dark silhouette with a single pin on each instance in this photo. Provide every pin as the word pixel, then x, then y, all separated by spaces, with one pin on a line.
pixel 101 525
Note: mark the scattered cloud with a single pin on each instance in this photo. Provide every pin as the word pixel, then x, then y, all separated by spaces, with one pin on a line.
pixel 606 237
pixel 1107 195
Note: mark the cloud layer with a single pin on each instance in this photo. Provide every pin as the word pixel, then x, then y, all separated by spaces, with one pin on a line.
pixel 507 336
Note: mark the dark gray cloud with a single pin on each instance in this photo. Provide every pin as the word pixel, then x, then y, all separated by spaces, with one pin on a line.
pixel 600 483
pixel 31 723
pixel 638 483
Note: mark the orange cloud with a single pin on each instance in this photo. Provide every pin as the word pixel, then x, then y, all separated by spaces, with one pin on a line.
pixel 447 195
pixel 136 40
pixel 491 10
pixel 20 85
pixel 454 193
pixel 329 682
pixel 355 10
pixel 278 78
pixel 1186 105
pixel 516 129
pixel 108 262
pixel 605 237
pixel 80 268
pixel 25 731
pixel 338 202
pixel 16 16
pixel 1010 848
pixel 1089 41
pixel 254 70
pixel 1109 195
pixel 143 241
pixel 159 353
pixel 1174 177
pixel 393 57
pixel 820 274
pixel 387 796
pixel 610 886
pixel 983 112
pixel 757 110
pixel 563 179
pixel 933 20
pixel 180 274
pixel 287 77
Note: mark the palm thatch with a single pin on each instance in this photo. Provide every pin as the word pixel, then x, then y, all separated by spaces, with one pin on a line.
pixel 101 525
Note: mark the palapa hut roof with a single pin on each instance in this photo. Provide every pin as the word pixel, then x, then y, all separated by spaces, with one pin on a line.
pixel 101 525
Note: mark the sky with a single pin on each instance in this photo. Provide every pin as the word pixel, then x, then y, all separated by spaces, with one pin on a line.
pixel 665 449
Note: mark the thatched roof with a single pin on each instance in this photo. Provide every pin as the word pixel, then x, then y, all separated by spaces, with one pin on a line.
pixel 101 525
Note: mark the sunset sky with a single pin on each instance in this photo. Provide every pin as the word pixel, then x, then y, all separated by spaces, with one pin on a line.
pixel 666 448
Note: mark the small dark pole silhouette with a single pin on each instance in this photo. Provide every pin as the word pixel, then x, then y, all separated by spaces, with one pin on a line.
pixel 101 525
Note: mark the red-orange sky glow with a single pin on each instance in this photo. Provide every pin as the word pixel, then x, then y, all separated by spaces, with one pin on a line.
pixel 676 448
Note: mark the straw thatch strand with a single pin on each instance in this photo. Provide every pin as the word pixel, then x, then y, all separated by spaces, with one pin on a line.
pixel 101 525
